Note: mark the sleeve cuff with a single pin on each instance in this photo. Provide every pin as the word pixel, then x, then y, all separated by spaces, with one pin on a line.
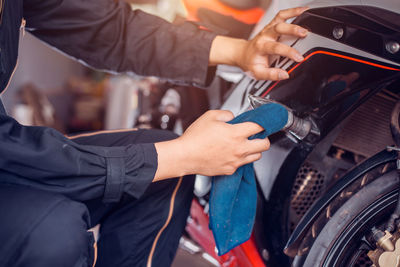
pixel 115 179
pixel 189 60
pixel 205 74
pixel 138 180
pixel 130 170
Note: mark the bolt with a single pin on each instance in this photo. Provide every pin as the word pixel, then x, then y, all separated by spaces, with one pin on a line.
pixel 392 47
pixel 265 254
pixel 338 32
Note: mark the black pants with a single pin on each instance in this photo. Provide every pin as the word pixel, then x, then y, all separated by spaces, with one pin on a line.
pixel 44 229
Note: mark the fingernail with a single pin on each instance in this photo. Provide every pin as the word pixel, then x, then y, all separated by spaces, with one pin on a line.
pixel 298 58
pixel 283 75
pixel 303 32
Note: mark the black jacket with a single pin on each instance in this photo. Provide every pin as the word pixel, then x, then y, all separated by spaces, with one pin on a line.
pixel 107 35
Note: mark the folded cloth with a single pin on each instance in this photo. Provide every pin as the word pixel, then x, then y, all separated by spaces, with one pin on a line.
pixel 233 198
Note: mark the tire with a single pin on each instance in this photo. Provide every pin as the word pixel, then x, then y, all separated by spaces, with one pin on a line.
pixel 335 237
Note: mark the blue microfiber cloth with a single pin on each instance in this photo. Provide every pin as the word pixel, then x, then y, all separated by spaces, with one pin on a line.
pixel 233 198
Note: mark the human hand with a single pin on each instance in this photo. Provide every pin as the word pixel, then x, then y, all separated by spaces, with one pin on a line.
pixel 252 55
pixel 210 146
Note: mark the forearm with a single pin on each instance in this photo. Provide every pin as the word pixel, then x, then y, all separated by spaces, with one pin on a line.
pixel 172 160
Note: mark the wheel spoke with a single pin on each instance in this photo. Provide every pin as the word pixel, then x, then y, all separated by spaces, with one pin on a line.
pixel 366 244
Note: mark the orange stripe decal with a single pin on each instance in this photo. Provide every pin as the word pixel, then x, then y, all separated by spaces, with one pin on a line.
pixel 248 16
pixel 101 132
pixel 171 211
pixel 335 55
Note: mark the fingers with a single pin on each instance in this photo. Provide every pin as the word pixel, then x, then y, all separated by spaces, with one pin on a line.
pixel 247 129
pixel 283 28
pixel 286 14
pixel 252 158
pixel 263 72
pixel 220 115
pixel 257 145
pixel 275 48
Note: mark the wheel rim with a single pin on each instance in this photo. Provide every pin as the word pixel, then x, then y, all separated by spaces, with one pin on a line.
pixel 349 249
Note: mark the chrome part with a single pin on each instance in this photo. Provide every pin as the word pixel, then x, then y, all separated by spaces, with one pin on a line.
pixel 392 47
pixel 210 259
pixel 265 254
pixel 193 248
pixel 392 148
pixel 256 101
pixel 300 128
pixel 338 32
pixel 295 126
pixel 202 185
pixel 189 246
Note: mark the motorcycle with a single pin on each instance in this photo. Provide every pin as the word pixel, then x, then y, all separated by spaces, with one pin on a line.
pixel 330 195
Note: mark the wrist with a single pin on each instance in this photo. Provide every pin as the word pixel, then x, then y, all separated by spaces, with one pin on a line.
pixel 228 51
pixel 173 160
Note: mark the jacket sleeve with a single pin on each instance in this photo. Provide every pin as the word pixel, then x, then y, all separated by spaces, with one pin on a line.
pixel 43 158
pixel 108 35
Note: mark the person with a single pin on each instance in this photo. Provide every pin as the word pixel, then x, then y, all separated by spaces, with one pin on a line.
pixel 54 188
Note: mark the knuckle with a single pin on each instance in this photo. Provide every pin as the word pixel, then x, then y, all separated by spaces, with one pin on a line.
pixel 260 43
pixel 230 170
pixel 239 153
pixel 210 112
pixel 229 113
pixel 267 144
pixel 276 47
pixel 260 75
pixel 279 27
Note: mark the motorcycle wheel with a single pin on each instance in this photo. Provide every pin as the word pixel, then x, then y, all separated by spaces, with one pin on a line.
pixel 339 235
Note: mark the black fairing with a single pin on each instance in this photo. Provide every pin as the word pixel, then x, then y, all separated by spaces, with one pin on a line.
pixel 330 84
pixel 366 28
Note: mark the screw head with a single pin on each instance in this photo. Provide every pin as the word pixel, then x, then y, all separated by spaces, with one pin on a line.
pixel 265 254
pixel 392 47
pixel 338 32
